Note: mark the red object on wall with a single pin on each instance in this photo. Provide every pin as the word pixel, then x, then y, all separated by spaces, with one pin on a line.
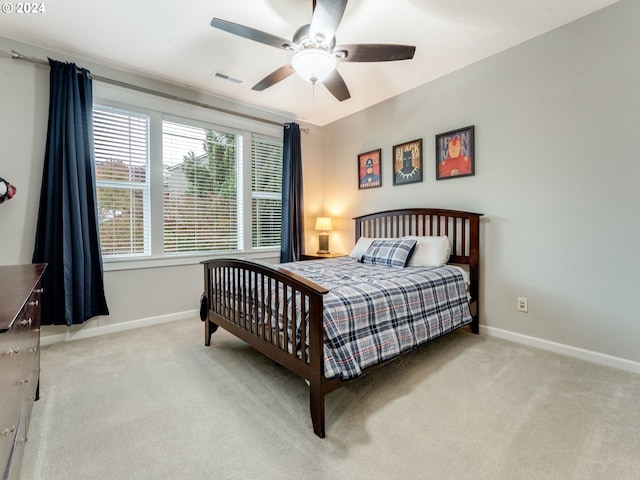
pixel 7 191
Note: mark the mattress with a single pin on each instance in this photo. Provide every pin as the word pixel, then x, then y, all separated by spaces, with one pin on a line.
pixel 373 313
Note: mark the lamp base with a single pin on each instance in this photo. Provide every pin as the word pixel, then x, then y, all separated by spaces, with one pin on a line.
pixel 323 243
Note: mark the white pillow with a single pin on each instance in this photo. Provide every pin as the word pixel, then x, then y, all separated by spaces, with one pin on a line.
pixel 361 247
pixel 430 251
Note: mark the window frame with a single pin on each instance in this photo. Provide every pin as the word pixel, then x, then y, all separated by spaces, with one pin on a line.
pixel 130 185
pixel 159 109
pixel 263 195
pixel 240 160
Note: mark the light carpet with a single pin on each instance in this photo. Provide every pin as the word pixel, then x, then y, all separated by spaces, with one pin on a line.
pixel 155 403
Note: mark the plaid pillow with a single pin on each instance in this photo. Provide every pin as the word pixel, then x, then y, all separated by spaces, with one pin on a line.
pixel 395 253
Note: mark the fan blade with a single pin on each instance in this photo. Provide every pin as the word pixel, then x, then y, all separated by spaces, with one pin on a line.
pixel 375 52
pixel 326 18
pixel 274 77
pixel 250 33
pixel 335 84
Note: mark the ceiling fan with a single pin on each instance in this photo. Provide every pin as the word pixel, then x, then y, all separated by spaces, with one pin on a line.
pixel 316 54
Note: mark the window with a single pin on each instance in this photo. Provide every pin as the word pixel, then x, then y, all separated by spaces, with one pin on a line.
pixel 200 189
pixel 172 187
pixel 121 141
pixel 266 191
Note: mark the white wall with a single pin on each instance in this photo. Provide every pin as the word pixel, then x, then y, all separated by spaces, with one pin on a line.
pixel 556 176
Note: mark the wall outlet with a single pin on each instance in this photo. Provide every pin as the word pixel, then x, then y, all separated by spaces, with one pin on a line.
pixel 523 305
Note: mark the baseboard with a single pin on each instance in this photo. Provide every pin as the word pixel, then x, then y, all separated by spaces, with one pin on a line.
pixel 95 331
pixel 588 355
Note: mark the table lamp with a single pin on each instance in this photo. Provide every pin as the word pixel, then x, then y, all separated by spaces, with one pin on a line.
pixel 323 224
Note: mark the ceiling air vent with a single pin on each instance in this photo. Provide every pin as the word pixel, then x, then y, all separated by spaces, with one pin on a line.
pixel 224 76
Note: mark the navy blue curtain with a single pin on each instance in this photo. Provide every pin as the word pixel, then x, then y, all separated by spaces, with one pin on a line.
pixel 292 236
pixel 67 231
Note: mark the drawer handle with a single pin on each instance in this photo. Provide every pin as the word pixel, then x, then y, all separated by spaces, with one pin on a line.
pixel 24 380
pixel 14 352
pixel 6 431
pixel 35 303
pixel 38 290
pixel 26 322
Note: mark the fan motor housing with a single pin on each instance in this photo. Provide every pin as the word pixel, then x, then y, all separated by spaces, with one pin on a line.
pixel 303 40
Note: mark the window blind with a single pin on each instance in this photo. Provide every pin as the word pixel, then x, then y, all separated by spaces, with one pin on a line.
pixel 266 191
pixel 198 198
pixel 200 189
pixel 121 142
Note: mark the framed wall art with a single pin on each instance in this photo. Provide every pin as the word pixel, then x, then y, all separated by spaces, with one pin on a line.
pixel 407 162
pixel 369 169
pixel 455 153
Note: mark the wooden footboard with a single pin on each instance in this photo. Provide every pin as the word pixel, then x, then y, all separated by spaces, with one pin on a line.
pixel 274 311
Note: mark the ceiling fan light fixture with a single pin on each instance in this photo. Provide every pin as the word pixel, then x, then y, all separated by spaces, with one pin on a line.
pixel 314 64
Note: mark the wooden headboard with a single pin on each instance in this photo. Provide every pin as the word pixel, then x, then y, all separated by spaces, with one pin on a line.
pixel 462 228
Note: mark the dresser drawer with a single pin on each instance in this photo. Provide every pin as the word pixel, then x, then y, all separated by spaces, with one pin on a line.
pixel 9 378
pixel 8 440
pixel 28 345
pixel 14 466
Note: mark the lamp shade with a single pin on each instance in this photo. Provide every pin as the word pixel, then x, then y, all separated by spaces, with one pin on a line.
pixel 313 64
pixel 324 224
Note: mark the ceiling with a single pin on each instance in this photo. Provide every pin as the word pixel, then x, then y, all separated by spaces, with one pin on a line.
pixel 173 40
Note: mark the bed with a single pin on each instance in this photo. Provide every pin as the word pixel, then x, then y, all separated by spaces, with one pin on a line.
pixel 330 321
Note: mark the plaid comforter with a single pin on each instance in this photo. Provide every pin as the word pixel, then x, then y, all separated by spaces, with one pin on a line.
pixel 372 313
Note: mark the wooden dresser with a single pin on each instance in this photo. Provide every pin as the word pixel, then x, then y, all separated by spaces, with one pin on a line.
pixel 20 293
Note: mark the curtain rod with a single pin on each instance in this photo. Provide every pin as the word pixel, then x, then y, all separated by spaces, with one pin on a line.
pixel 18 56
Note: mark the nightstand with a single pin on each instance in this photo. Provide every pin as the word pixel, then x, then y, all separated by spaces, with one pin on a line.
pixel 318 256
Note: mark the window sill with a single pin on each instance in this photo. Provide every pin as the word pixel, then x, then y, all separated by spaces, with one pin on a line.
pixel 159 262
